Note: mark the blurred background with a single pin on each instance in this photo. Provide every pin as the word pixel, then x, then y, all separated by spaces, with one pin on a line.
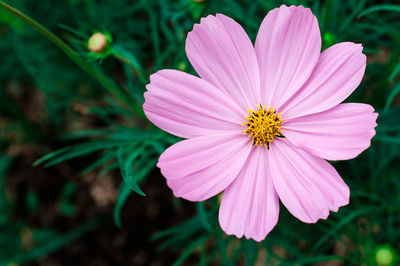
pixel 78 182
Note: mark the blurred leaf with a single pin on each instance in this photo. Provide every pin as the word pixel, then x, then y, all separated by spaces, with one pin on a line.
pixel 315 259
pixel 126 170
pixel 203 216
pixel 393 93
pixel 189 250
pixel 32 201
pixel 388 139
pixel 123 195
pixel 127 57
pixel 395 72
pixel 54 243
pixel 5 163
pixel 386 7
pixel 341 223
pixel 68 191
pixel 67 209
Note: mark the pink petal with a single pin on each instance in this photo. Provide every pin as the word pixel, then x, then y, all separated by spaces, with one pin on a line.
pixel 288 45
pixel 250 204
pixel 197 169
pixel 222 53
pixel 337 74
pixel 187 106
pixel 307 185
pixel 340 133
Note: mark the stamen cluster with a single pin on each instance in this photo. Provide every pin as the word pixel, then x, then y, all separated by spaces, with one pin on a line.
pixel 263 125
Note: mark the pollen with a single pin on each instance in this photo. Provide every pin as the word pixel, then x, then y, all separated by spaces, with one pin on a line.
pixel 263 125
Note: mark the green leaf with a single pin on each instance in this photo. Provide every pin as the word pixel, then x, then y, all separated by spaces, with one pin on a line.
pixel 395 72
pixel 127 57
pixel 67 209
pixel 107 83
pixel 123 195
pixel 393 93
pixel 386 7
pixel 51 155
pixel 107 157
pixel 342 223
pixel 189 250
pixel 32 201
pixel 203 216
pixel 314 259
pixel 388 139
pixel 126 172
pixel 54 244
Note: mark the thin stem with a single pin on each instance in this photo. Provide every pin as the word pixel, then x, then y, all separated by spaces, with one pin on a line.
pixel 106 82
pixel 154 31
pixel 126 61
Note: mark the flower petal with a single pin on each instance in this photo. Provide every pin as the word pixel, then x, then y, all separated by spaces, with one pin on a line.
pixel 288 45
pixel 250 205
pixel 307 185
pixel 340 133
pixel 197 169
pixel 187 106
pixel 337 74
pixel 222 53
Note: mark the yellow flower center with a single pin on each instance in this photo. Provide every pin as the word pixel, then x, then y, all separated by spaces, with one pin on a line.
pixel 263 125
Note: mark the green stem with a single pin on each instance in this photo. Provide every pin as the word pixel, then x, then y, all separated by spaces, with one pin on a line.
pixel 154 31
pixel 106 82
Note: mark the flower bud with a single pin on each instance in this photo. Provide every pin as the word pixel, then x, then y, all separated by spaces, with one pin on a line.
pixel 182 66
pixel 328 38
pixel 97 43
pixel 385 255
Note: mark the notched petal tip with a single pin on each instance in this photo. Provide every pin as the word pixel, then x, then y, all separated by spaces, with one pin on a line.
pixel 250 205
pixel 203 20
pixel 288 46
pixel 324 214
pixel 338 73
pixel 222 16
pixel 221 53
pixel 298 8
pixel 292 8
pixel 307 185
pixel 258 237
pixel 351 47
pixel 160 74
pixel 340 133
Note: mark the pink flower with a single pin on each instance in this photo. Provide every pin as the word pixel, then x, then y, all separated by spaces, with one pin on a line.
pixel 262 120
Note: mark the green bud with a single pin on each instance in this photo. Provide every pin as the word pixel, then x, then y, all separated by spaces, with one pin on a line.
pixel 99 46
pixel 385 255
pixel 329 38
pixel 97 43
pixel 182 66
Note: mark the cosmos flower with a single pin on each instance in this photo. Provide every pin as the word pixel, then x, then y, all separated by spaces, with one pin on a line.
pixel 262 120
